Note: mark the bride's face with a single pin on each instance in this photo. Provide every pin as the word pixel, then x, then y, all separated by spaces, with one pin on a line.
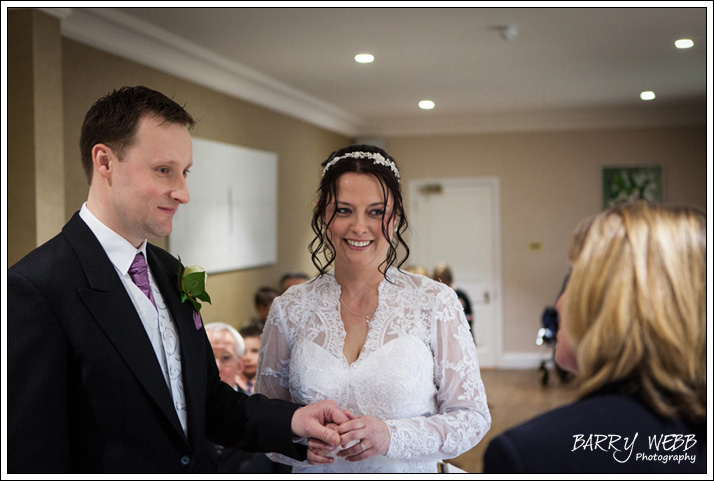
pixel 356 229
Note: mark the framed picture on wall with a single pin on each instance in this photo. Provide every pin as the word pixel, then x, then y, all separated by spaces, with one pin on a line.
pixel 629 184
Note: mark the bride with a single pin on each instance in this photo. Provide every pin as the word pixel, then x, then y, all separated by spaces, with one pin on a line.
pixel 392 348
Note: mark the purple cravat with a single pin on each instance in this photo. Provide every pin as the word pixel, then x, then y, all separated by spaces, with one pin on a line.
pixel 139 273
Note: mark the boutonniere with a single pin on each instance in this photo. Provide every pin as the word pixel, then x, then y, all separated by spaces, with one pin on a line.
pixel 192 286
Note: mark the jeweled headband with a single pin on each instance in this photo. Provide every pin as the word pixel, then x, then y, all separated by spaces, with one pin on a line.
pixel 376 158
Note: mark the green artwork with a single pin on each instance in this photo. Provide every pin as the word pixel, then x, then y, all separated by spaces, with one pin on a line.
pixel 629 184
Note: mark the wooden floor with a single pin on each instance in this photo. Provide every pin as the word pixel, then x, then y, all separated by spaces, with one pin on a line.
pixel 514 396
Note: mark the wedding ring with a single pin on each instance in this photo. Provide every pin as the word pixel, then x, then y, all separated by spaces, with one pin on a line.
pixel 362 445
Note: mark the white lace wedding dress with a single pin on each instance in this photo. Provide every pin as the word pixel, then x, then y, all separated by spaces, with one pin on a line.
pixel 418 369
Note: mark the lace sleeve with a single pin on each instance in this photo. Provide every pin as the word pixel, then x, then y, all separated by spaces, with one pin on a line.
pixel 463 417
pixel 274 358
pixel 272 376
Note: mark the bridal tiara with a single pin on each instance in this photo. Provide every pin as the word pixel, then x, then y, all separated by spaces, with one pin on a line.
pixel 376 158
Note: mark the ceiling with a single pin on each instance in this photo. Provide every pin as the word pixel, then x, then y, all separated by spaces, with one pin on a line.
pixel 565 68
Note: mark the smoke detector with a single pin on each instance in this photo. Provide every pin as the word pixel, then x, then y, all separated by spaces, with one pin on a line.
pixel 508 32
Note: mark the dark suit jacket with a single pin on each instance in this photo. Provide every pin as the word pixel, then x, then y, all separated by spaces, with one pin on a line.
pixel 85 390
pixel 236 461
pixel 566 440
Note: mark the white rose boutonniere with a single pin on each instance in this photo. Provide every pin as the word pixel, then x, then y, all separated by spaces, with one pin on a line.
pixel 192 286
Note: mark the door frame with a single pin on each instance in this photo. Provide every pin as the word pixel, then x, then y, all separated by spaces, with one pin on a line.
pixel 493 184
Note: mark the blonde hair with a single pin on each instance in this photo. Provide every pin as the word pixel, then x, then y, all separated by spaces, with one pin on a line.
pixel 417 269
pixel 442 273
pixel 635 308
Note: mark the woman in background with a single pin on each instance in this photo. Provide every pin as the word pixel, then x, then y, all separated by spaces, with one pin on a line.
pixel 633 328
pixel 392 348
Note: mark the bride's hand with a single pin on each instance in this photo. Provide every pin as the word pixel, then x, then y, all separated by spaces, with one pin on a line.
pixel 370 435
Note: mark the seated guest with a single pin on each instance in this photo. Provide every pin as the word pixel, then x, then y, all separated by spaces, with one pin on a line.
pixel 251 337
pixel 262 301
pixel 417 269
pixel 442 273
pixel 633 328
pixel 290 279
pixel 228 350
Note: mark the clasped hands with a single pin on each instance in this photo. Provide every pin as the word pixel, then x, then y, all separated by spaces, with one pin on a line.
pixel 333 432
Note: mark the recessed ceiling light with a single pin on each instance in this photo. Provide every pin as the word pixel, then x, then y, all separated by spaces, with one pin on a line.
pixel 364 58
pixel 426 104
pixel 684 43
pixel 648 95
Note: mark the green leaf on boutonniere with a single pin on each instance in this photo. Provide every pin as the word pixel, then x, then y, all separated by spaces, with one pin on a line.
pixel 192 285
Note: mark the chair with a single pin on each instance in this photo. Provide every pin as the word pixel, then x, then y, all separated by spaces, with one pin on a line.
pixel 546 335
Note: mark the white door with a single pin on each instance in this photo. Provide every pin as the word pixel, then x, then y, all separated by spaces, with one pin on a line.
pixel 457 221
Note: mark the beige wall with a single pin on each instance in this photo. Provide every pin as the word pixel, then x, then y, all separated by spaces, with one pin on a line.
pixel 34 107
pixel 549 181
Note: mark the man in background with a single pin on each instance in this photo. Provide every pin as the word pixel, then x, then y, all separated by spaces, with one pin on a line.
pixel 290 279
pixel 262 301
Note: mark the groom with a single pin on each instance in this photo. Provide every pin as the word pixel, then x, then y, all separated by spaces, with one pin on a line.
pixel 107 370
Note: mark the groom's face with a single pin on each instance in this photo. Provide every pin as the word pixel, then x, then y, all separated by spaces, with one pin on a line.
pixel 149 183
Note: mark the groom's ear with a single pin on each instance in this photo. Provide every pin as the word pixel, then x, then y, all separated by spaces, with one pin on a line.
pixel 103 159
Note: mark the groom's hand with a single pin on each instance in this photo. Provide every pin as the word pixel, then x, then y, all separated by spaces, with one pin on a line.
pixel 311 422
pixel 319 452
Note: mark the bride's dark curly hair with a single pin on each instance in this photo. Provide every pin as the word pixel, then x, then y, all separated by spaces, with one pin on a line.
pixel 321 246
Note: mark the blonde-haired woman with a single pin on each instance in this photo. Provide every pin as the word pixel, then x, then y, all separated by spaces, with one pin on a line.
pixel 634 331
